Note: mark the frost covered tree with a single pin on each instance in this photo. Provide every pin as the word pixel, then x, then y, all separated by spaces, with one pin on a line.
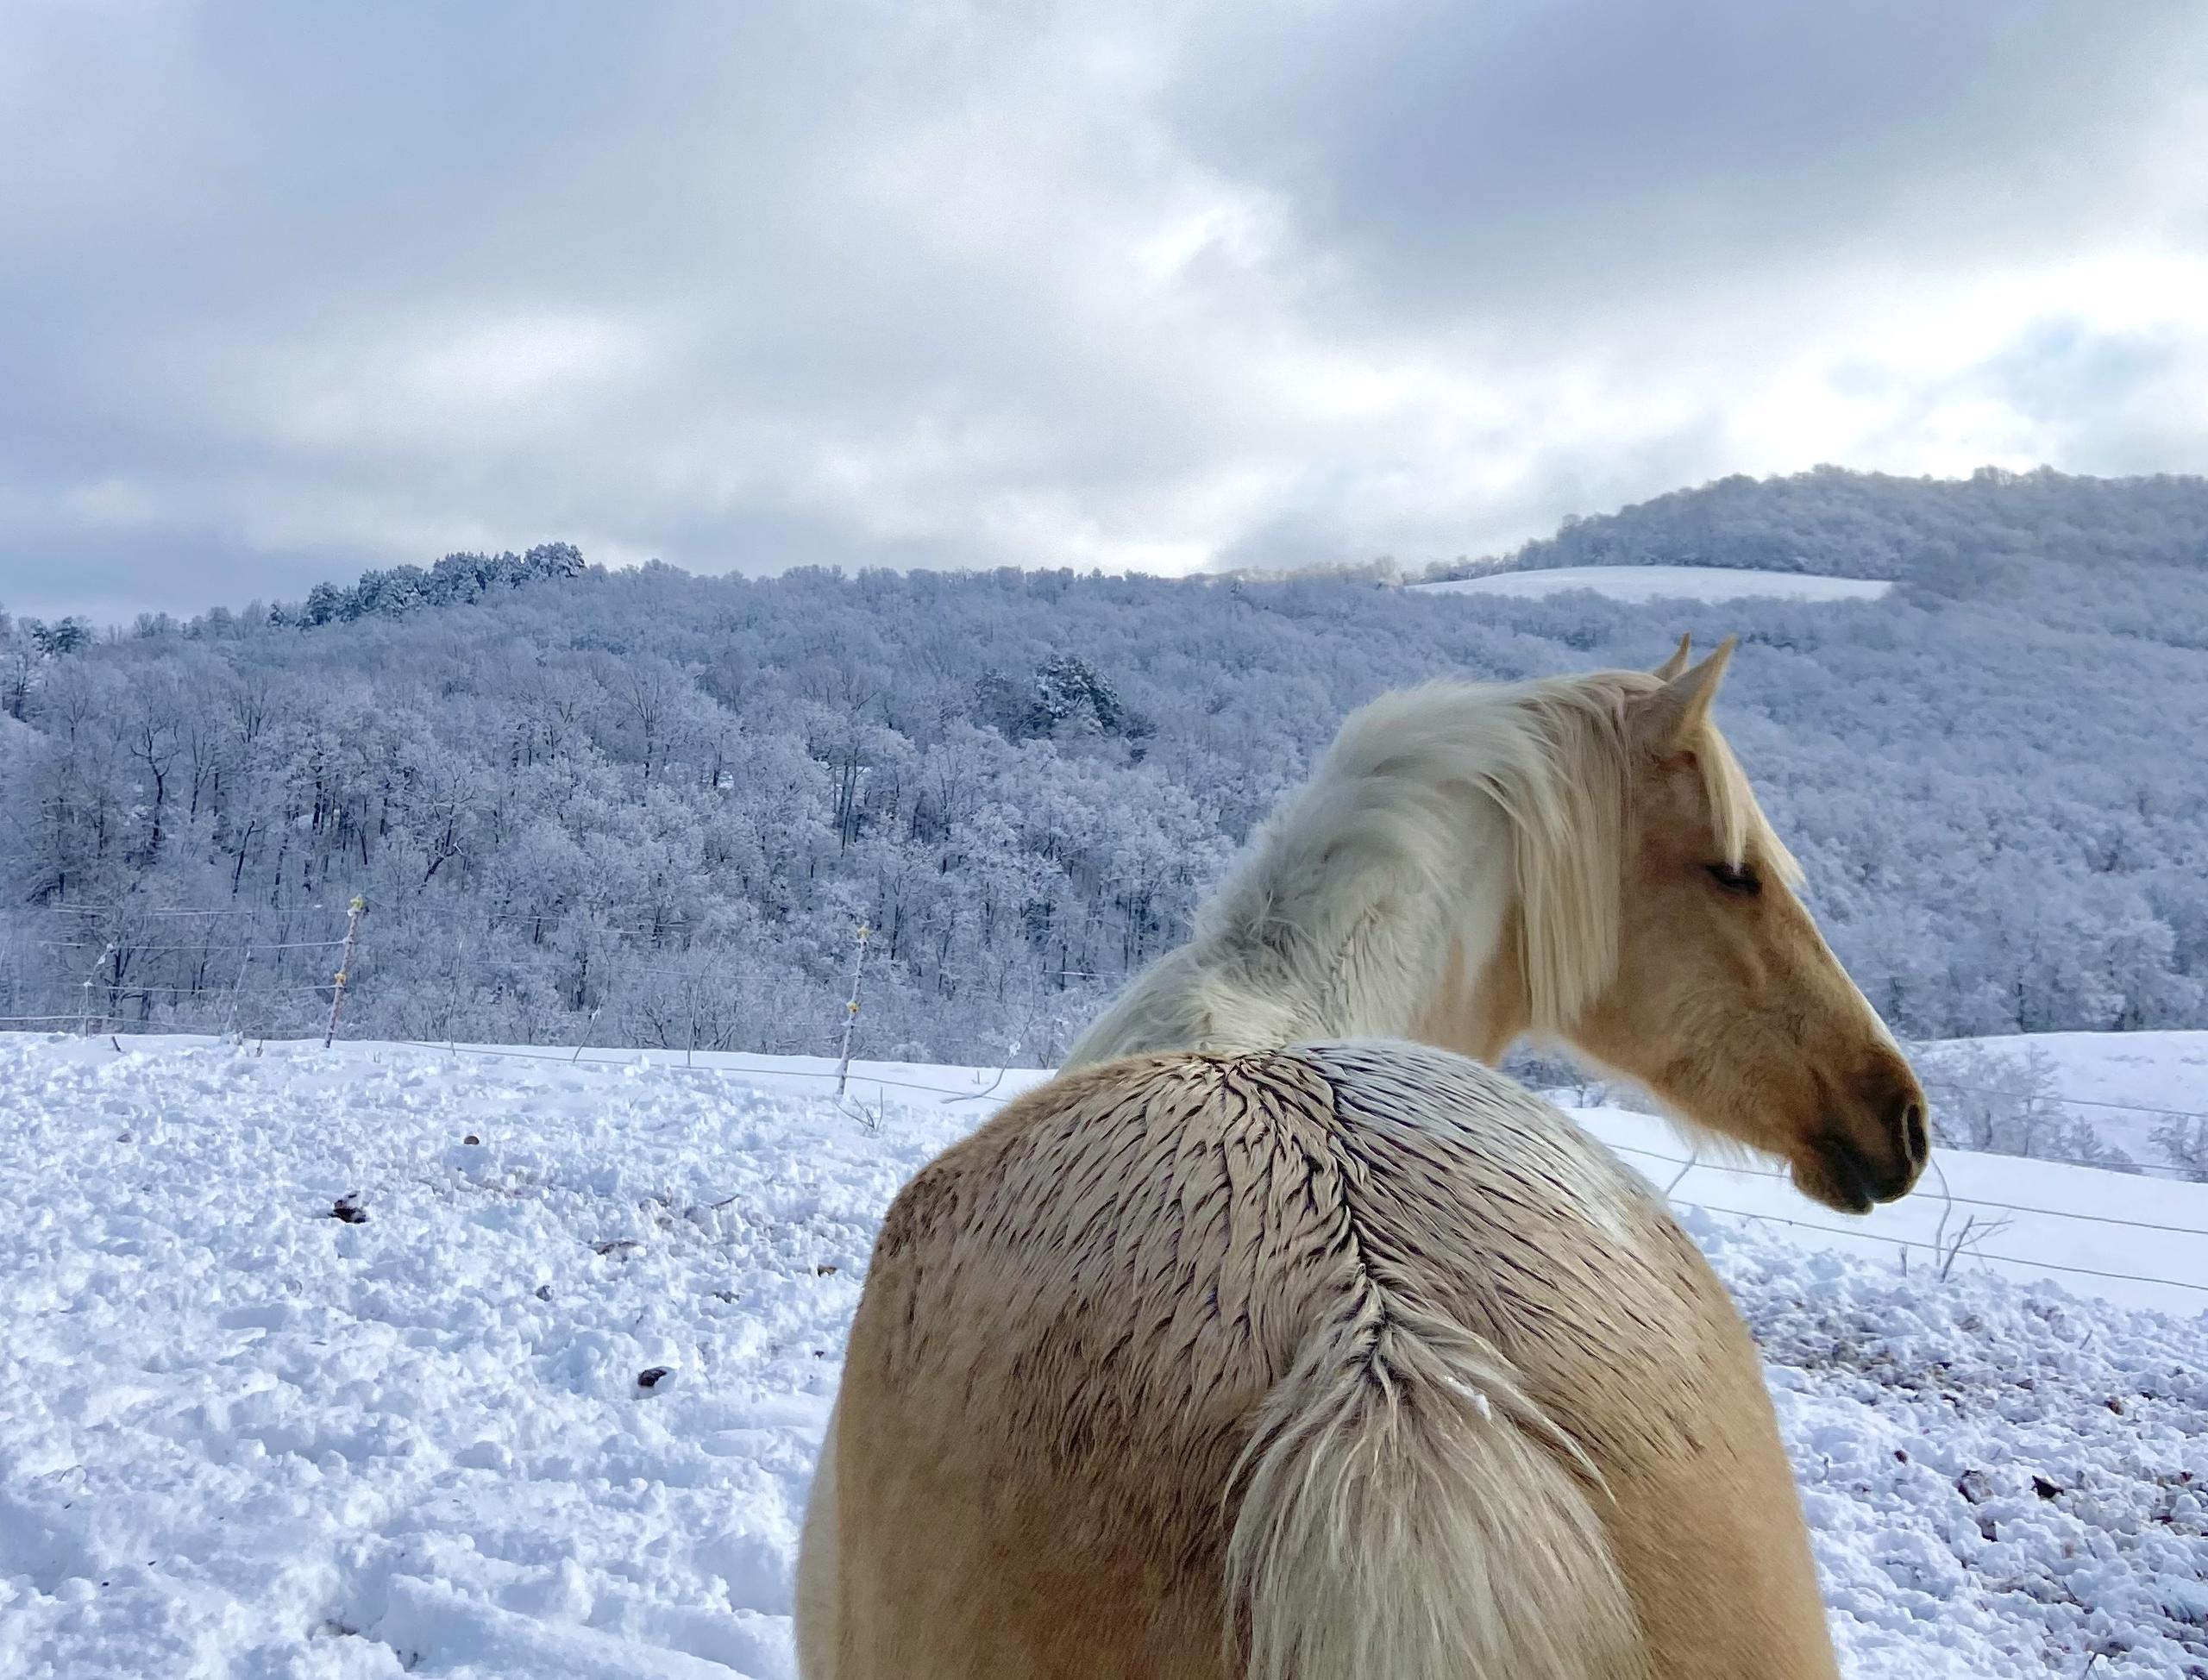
pixel 649 807
pixel 2183 1140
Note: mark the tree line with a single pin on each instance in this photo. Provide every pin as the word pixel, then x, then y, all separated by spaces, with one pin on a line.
pixel 647 808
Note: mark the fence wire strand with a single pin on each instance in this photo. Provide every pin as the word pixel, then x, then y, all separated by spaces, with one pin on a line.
pixel 948 1096
pixel 1906 1243
pixel 678 939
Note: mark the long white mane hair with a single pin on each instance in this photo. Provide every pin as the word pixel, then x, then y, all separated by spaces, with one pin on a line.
pixel 1437 811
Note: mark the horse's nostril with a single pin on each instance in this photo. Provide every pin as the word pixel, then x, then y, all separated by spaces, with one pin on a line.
pixel 1915 1144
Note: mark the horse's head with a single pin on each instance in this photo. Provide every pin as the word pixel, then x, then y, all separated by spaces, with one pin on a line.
pixel 1724 1000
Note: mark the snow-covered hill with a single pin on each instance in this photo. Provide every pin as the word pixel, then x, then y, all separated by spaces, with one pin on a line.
pixel 547 1408
pixel 1669 583
pixel 2124 1086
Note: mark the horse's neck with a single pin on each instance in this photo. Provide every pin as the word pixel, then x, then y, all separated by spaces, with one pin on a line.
pixel 1334 929
pixel 1480 1008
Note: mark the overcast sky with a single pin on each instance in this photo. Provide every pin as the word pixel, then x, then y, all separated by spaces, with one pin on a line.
pixel 290 291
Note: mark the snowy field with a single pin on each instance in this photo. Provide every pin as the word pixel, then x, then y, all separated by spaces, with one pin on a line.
pixel 2120 1083
pixel 1669 583
pixel 547 1407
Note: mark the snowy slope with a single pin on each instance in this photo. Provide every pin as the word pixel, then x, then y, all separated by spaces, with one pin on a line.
pixel 2135 1242
pixel 2149 1069
pixel 1669 583
pixel 2121 1083
pixel 241 1436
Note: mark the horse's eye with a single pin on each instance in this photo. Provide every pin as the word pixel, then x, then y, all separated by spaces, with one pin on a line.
pixel 1744 880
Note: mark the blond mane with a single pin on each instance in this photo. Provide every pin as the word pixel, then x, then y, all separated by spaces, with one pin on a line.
pixel 1437 811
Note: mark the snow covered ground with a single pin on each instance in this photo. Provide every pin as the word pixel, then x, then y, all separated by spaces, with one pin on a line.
pixel 549 1408
pixel 2121 1084
pixel 1669 583
pixel 2134 1241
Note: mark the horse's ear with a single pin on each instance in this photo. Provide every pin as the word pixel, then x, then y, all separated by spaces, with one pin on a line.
pixel 1677 712
pixel 1677 663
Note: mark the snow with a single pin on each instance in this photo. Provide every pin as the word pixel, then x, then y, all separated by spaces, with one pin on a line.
pixel 2121 1083
pixel 1669 583
pixel 2167 1070
pixel 243 1437
pixel 2051 1220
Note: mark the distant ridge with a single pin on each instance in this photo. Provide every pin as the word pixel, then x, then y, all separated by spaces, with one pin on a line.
pixel 1851 525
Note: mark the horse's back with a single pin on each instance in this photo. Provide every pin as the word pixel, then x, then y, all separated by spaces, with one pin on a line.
pixel 1075 1319
pixel 1068 1319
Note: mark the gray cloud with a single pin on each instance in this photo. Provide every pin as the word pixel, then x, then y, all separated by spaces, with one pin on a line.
pixel 301 289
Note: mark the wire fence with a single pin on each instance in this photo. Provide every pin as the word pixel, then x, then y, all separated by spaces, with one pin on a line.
pixel 198 949
pixel 1911 1245
pixel 1938 1246
pixel 720 1066
pixel 147 968
pixel 1937 1084
pixel 1939 1249
pixel 156 912
pixel 281 1001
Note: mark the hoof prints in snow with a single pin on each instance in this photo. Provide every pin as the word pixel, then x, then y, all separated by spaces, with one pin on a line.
pixel 245 1436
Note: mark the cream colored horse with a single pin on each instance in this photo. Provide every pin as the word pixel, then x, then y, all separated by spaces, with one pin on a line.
pixel 1234 1353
